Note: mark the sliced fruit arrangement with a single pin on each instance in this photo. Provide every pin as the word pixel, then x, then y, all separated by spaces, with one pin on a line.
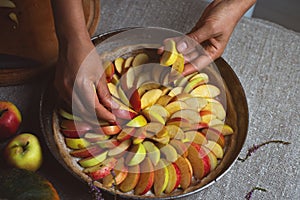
pixel 167 136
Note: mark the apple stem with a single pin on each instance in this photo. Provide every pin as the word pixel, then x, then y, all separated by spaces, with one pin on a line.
pixel 3 111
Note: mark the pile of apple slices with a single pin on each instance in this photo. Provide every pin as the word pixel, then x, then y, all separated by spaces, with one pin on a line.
pixel 168 134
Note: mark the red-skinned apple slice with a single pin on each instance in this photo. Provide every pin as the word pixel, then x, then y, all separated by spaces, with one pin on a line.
pixel 214 135
pixel 86 152
pixel 121 173
pixel 217 109
pixel 131 180
pixel 135 101
pixel 95 137
pixel 73 133
pixel 180 122
pixel 146 178
pixel 109 130
pixel 150 98
pixel 213 161
pixel 76 143
pixel 139 135
pixel 75 125
pixel 169 152
pixel 126 133
pixel 180 147
pixel 101 170
pixel 215 148
pixel 186 172
pixel 195 136
pixel 174 178
pixel 136 155
pixel 108 144
pixel 196 161
pixel 161 177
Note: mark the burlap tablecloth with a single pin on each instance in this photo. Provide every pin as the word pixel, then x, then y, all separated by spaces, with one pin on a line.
pixel 266 58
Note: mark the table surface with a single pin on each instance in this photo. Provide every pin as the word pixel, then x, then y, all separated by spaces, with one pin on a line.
pixel 266 59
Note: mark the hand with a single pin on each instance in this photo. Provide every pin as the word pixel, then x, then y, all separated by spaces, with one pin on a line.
pixel 81 82
pixel 212 31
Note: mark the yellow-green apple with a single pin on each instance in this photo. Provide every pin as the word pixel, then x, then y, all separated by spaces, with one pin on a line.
pixel 131 179
pixel 180 147
pixel 95 137
pixel 214 135
pixel 146 86
pixel 175 91
pixel 123 146
pixel 65 114
pixel 196 103
pixel 135 101
pixel 215 148
pixel 93 160
pixel 194 136
pixel 113 90
pixel 101 170
pixel 174 178
pixel 150 97
pixel 126 133
pixel 146 179
pixel 224 129
pixel 138 121
pixel 164 100
pixel 10 119
pixel 24 151
pixel 120 174
pixel 140 59
pixel 119 64
pixel 176 106
pixel 152 152
pixel 186 171
pixel 161 177
pixel 135 155
pixel 169 152
pixel 86 152
pixel 109 70
pixel 77 143
pixel 191 115
pixel 206 91
pixel 175 132
pixel 123 112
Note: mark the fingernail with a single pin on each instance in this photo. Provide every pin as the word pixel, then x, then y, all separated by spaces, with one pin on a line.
pixel 181 46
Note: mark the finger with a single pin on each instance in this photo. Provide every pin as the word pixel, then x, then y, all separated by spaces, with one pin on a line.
pixel 160 50
pixel 104 95
pixel 197 64
pixel 191 56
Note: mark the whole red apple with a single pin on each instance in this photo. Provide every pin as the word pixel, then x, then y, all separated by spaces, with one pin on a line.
pixel 10 119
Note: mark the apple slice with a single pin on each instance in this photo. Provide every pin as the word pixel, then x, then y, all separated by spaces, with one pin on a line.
pixel 176 106
pixel 123 146
pixel 191 115
pixel 164 100
pixel 178 65
pixel 108 144
pixel 214 135
pixel 75 125
pixel 186 172
pixel 128 62
pixel 180 122
pixel 123 112
pixel 119 63
pixel 140 59
pixel 101 170
pixel 146 86
pixel 146 178
pixel 165 89
pixel 73 133
pixel 175 132
pixel 126 133
pixel 109 70
pixel 136 155
pixel 196 127
pixel 196 103
pixel 161 140
pixel 86 152
pixel 153 116
pixel 181 97
pixel 214 122
pixel 161 177
pixel 93 160
pixel 180 147
pixel 121 173
pixel 217 109
pixel 95 137
pixel 150 97
pixel 182 81
pixel 115 79
pixel 139 135
pixel 212 158
pixel 135 101
pixel 174 178
pixel 206 91
pixel 113 90
pixel 68 115
pixel 76 143
pixel 122 95
pixel 160 110
pixel 152 152
pixel 196 162
pixel 175 91
pixel 109 130
pixel 131 179
pixel 224 129
pixel 192 84
pixel 170 54
pixel 138 121
pixel 215 148
pixel 169 152
pixel 195 136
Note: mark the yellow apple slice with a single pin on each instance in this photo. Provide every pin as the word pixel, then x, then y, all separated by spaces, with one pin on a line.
pixel 191 115
pixel 169 152
pixel 193 84
pixel 161 140
pixel 170 54
pixel 175 132
pixel 200 75
pixel 68 115
pixel 224 129
pixel 140 59
pixel 181 97
pixel 147 86
pixel 176 106
pixel 217 109
pixel 115 79
pixel 136 154
pixel 76 143
pixel 113 90
pixel 206 91
pixel 160 110
pixel 119 63
pixel 164 100
pixel 122 95
pixel 174 178
pixel 180 147
pixel 196 103
pixel 195 136
pixel 93 160
pixel 128 62
pixel 146 180
pixel 150 98
pixel 152 152
pixel 186 172
pixel 175 91
pixel 153 116
pixel 131 180
pixel 121 173
pixel 178 65
pixel 215 148
pixel 215 121
pixel 138 121
pixel 161 177
pixel 123 146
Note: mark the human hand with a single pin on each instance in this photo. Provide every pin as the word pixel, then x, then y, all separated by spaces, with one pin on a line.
pixel 212 32
pixel 81 82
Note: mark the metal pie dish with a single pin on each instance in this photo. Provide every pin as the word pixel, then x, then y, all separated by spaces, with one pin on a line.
pixel 236 117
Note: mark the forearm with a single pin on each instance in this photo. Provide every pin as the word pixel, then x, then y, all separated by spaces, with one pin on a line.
pixel 240 7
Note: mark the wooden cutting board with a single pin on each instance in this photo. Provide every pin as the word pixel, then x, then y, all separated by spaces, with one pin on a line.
pixel 34 37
